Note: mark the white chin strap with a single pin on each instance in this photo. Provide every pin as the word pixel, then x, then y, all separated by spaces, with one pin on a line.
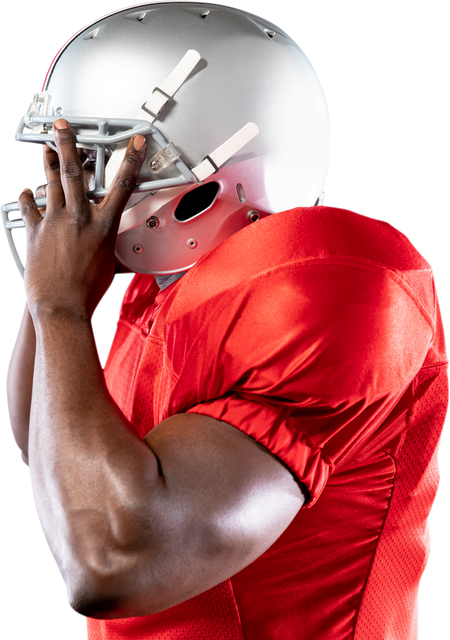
pixel 156 103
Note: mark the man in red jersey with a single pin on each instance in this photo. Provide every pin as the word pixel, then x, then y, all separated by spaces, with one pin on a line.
pixel 299 363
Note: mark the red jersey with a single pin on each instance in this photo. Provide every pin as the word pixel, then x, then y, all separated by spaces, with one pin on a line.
pixel 316 332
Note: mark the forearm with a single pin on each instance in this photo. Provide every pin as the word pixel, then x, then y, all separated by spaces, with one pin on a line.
pixel 20 382
pixel 92 476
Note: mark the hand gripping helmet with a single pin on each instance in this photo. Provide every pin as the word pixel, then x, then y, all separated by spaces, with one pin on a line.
pixel 235 119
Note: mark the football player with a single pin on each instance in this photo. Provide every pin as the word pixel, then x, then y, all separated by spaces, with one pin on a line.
pixel 257 458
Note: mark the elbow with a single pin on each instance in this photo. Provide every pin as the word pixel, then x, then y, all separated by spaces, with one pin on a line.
pixel 111 593
pixel 109 574
pixel 93 604
pixel 98 598
pixel 122 595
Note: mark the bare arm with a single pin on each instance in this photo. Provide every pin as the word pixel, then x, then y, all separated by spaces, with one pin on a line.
pixel 21 367
pixel 136 527
pixel 20 381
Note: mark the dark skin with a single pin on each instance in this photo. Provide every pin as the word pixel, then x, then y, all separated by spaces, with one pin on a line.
pixel 135 526
pixel 20 372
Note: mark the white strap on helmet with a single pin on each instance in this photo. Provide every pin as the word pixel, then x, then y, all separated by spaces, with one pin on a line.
pixel 211 163
pixel 152 108
pixel 161 95
pixel 154 105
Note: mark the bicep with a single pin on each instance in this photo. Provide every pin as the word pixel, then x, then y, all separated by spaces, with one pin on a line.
pixel 226 478
pixel 229 496
pixel 222 501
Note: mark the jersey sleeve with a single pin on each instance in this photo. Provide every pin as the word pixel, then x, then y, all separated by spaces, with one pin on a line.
pixel 308 359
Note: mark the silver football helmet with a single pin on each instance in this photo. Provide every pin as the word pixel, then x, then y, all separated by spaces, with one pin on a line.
pixel 235 119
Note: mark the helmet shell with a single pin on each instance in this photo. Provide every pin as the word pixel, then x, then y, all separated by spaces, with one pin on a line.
pixel 250 71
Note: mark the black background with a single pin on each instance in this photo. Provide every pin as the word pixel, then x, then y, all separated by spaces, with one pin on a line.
pixel 388 115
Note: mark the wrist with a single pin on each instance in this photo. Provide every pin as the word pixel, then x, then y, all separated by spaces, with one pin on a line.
pixel 54 313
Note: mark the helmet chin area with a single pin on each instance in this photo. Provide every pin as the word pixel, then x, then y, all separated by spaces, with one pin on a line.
pixel 170 231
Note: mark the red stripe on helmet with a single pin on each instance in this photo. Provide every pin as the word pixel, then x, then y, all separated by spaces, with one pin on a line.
pixel 53 58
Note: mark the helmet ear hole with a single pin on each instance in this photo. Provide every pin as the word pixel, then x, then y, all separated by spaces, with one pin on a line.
pixel 197 200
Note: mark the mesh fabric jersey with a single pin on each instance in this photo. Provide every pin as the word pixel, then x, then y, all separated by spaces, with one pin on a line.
pixel 316 332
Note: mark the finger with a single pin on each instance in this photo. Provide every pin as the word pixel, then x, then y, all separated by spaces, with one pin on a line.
pixel 28 209
pixel 125 179
pixel 51 172
pixel 41 192
pixel 70 168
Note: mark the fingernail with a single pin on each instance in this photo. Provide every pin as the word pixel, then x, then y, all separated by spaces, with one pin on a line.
pixel 138 142
pixel 61 124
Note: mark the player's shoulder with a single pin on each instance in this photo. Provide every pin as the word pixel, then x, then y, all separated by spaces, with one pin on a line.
pixel 363 237
pixel 326 232
pixel 308 287
pixel 282 243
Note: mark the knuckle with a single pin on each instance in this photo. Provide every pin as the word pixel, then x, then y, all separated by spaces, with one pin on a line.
pixel 53 164
pixel 25 209
pixel 134 159
pixel 65 136
pixel 26 206
pixel 72 170
pixel 124 184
